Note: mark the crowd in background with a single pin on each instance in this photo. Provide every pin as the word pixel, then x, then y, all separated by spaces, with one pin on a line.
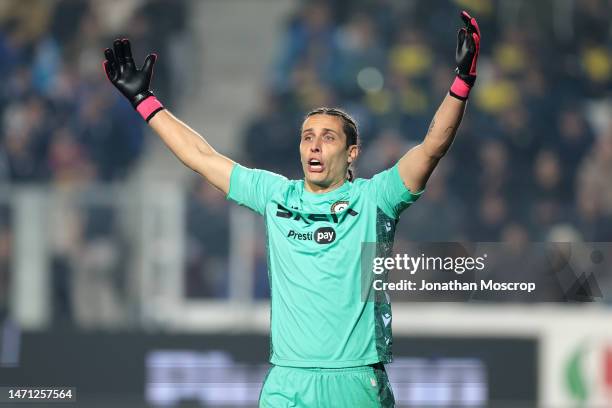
pixel 528 159
pixel 61 121
pixel 64 126
pixel 531 162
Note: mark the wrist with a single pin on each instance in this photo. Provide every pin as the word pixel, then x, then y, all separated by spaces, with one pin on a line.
pixel 138 98
pixel 148 106
pixel 461 86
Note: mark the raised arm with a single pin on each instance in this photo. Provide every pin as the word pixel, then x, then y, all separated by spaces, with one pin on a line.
pixel 193 150
pixel 418 163
pixel 186 144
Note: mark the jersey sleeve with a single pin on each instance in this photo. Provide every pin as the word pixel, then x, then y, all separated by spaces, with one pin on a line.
pixel 253 188
pixel 391 195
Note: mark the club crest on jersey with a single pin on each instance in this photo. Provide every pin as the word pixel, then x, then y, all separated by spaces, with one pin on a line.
pixel 339 206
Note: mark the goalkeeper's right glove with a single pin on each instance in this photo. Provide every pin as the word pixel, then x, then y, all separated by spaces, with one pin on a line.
pixel 132 82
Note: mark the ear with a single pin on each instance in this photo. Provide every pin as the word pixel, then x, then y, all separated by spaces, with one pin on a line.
pixel 353 152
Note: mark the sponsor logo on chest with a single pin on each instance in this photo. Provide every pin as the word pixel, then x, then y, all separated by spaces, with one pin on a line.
pixel 309 219
pixel 322 235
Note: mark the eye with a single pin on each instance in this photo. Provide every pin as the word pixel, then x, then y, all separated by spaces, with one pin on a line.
pixel 329 137
pixel 307 138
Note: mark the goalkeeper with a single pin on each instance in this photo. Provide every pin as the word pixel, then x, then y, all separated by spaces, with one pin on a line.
pixel 328 346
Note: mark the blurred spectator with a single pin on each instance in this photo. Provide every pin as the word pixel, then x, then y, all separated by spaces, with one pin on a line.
pixel 26 139
pixel 387 150
pixel 309 32
pixel 99 282
pixel 489 218
pixel 65 237
pixel 272 139
pixel 494 174
pixel 594 174
pixel 441 218
pixel 207 242
pixel 549 197
pixel 518 128
pixel 592 21
pixel 357 48
pixel 88 258
pixel 595 226
pixel 67 160
pixel 574 140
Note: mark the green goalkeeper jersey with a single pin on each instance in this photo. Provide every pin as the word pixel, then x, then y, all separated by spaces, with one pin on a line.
pixel 319 317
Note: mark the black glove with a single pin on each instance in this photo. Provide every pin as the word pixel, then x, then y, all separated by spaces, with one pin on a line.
pixel 466 56
pixel 132 82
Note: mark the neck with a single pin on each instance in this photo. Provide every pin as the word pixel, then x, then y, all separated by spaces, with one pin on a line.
pixel 317 189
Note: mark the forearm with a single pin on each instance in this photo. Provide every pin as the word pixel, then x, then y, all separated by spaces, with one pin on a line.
pixel 419 162
pixel 192 149
pixel 443 127
pixel 186 144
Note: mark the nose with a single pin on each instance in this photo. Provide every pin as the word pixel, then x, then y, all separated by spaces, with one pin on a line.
pixel 315 147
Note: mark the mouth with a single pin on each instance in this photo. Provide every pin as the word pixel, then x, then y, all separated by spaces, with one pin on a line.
pixel 315 166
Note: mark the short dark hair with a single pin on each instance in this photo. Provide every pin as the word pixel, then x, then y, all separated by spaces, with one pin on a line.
pixel 349 127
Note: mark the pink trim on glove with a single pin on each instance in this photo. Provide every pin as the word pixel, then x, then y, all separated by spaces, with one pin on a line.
pixel 476 38
pixel 149 107
pixel 460 88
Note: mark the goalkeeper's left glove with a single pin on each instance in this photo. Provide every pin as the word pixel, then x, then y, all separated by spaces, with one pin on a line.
pixel 468 48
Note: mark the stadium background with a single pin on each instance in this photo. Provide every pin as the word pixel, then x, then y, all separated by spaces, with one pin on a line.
pixel 126 276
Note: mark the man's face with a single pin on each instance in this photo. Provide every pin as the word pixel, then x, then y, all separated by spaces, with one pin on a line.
pixel 323 151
